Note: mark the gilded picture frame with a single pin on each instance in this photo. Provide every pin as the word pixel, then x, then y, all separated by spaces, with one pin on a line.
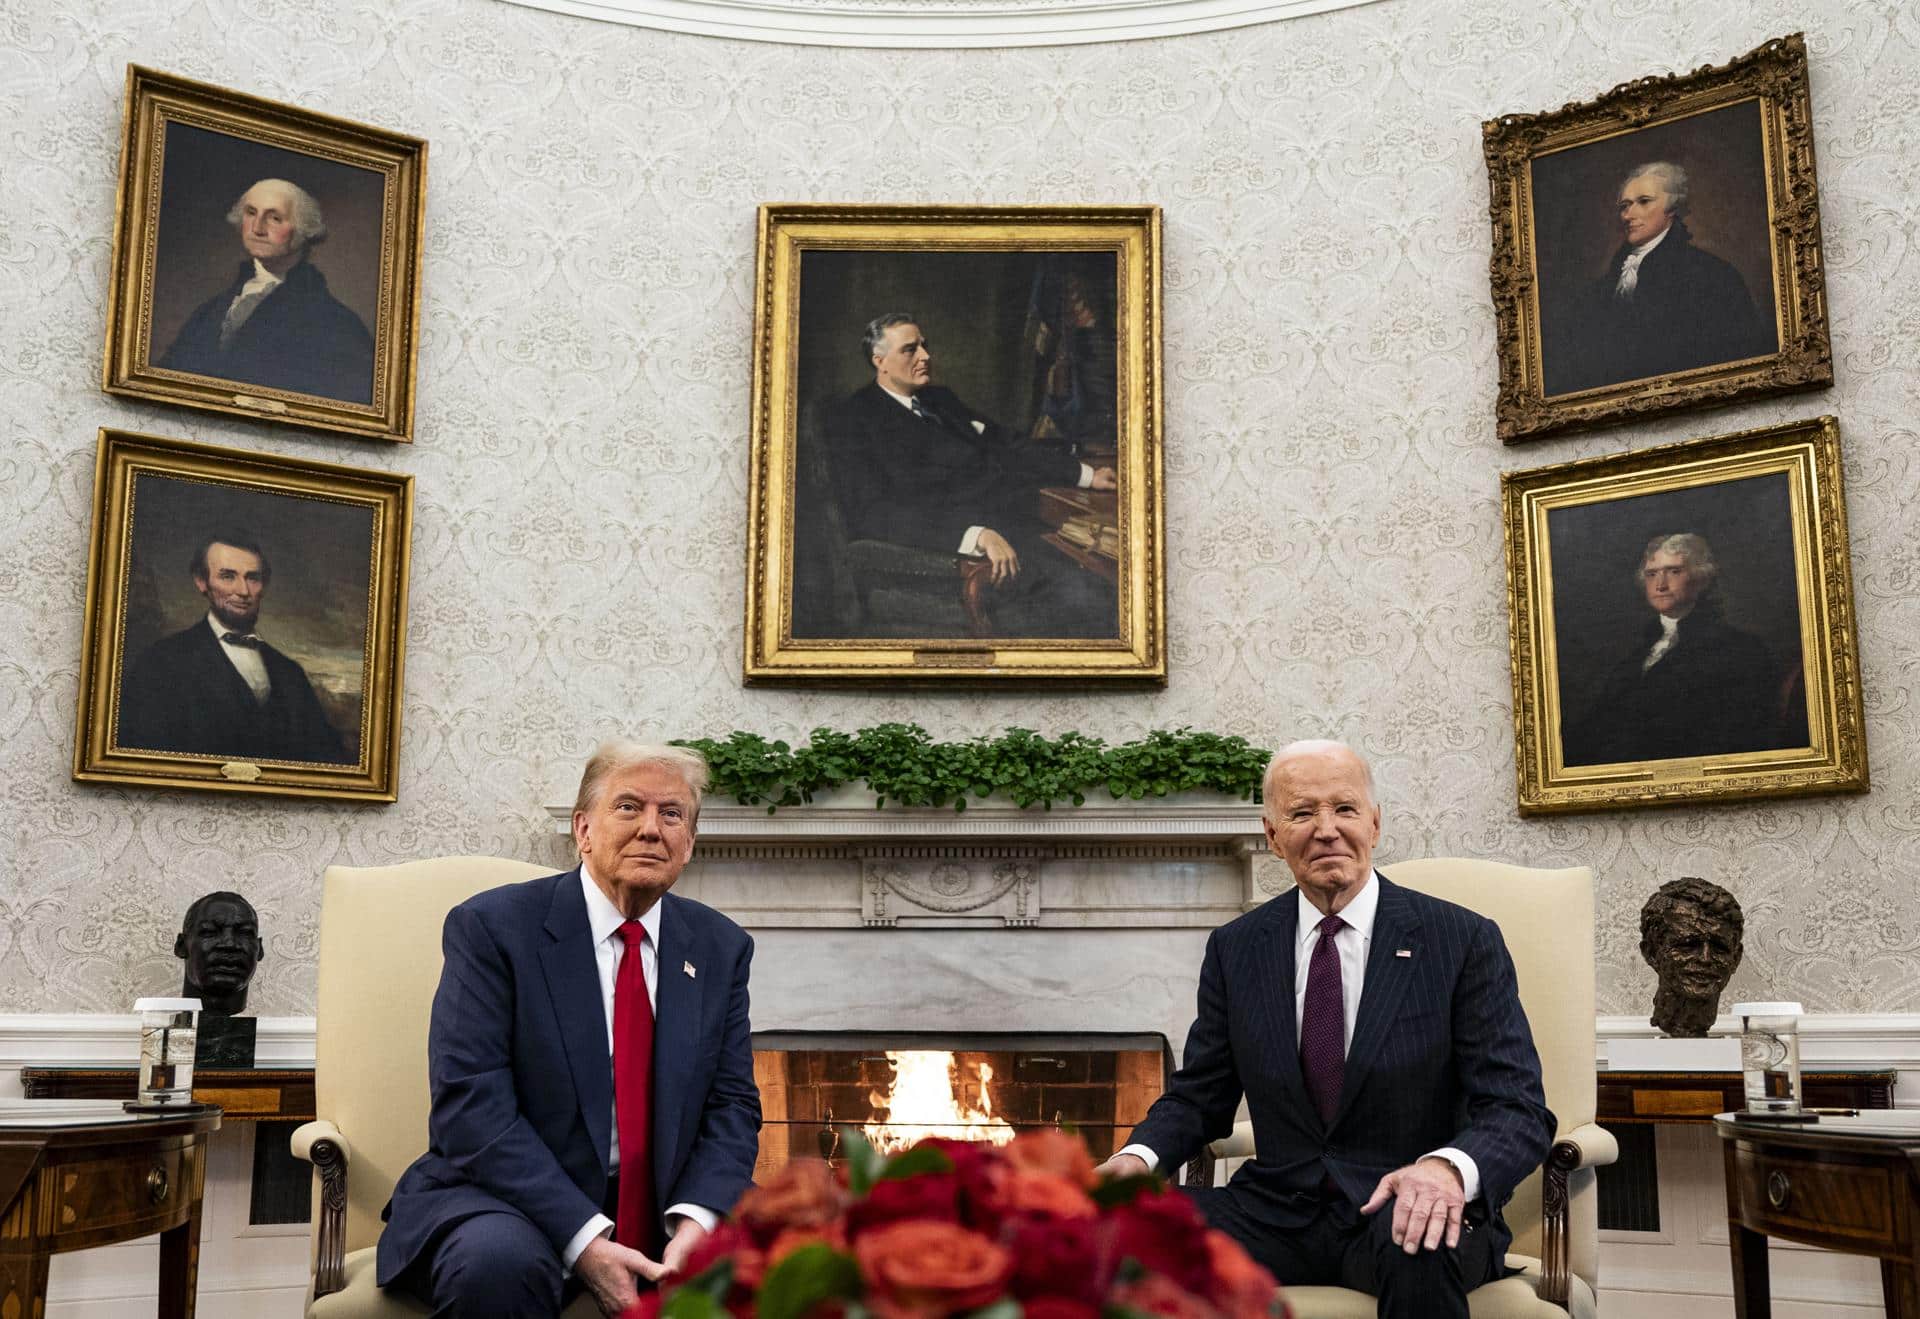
pixel 1658 248
pixel 266 260
pixel 1682 624
pixel 245 622
pixel 971 492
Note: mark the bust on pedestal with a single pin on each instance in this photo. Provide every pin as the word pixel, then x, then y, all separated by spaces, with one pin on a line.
pixel 220 943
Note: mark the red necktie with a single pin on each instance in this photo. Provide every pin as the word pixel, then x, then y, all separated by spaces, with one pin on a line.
pixel 636 1224
pixel 1323 1023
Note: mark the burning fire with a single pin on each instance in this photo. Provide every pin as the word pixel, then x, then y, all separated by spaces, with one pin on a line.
pixel 931 1097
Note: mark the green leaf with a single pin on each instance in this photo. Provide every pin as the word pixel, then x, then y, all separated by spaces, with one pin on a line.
pixel 1122 1190
pixel 864 1162
pixel 913 1162
pixel 690 1303
pixel 802 1280
pixel 716 1280
pixel 1005 1308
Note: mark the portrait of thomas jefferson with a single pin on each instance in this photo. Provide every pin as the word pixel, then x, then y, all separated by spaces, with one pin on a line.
pixel 1653 252
pixel 267 267
pixel 1687 681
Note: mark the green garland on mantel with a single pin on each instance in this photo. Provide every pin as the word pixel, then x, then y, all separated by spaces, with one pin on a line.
pixel 905 766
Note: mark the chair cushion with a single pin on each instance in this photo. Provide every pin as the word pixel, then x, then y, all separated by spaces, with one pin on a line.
pixel 1510 1298
pixel 361 1299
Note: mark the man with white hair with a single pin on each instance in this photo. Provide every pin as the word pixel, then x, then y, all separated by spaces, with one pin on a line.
pixel 590 1058
pixel 1689 683
pixel 276 324
pixel 1663 305
pixel 1377 1036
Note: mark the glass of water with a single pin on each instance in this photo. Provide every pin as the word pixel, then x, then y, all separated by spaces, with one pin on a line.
pixel 1770 1055
pixel 168 1035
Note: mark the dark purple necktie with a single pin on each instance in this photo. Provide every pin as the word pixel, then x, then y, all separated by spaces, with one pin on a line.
pixel 1323 1024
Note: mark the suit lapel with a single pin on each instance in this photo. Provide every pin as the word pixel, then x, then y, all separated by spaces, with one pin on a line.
pixel 677 1001
pixel 573 982
pixel 1283 933
pixel 1395 929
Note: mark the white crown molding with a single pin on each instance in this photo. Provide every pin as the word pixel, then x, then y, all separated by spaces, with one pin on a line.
pixel 964 24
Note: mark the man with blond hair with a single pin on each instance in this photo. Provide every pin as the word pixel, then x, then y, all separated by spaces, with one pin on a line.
pixel 276 324
pixel 1377 1036
pixel 594 1108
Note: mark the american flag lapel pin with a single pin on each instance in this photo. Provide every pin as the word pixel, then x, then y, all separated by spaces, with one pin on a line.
pixel 1403 952
pixel 688 968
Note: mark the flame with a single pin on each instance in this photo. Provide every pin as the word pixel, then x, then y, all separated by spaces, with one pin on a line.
pixel 930 1097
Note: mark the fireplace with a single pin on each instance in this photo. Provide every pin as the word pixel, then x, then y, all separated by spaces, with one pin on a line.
pixel 900 1086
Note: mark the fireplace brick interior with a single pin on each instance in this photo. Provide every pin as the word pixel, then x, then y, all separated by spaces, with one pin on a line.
pixel 1098 1085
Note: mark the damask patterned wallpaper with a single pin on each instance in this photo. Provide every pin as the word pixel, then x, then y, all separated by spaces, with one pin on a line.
pixel 1336 561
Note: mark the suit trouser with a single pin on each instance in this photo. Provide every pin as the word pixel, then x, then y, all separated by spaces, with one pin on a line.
pixel 1339 1247
pixel 1053 596
pixel 494 1266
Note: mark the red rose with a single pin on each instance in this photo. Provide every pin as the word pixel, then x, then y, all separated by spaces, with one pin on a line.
pixel 1044 1195
pixel 1157 1294
pixel 727 1241
pixel 1053 1151
pixel 1239 1287
pixel 922 1269
pixel 1059 1307
pixel 794 1238
pixel 802 1194
pixel 934 1195
pixel 647 1307
pixel 1057 1258
pixel 1165 1233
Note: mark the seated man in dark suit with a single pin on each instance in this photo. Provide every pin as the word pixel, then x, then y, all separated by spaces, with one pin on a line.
pixel 918 466
pixel 1378 1038
pixel 276 324
pixel 215 688
pixel 594 1107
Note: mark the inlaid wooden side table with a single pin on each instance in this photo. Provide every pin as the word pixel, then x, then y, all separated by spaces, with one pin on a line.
pixel 1850 1184
pixel 85 1173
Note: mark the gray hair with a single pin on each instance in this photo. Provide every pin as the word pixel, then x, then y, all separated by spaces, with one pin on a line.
pixel 1689 546
pixel 1673 182
pixel 1308 747
pixel 307 221
pixel 876 332
pixel 619 754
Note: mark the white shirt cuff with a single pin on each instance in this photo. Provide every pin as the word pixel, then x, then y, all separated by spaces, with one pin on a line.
pixel 1086 477
pixel 597 1226
pixel 1463 1163
pixel 970 543
pixel 1146 1156
pixel 700 1214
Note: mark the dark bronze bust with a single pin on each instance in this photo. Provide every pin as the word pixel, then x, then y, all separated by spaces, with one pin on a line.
pixel 1690 933
pixel 220 943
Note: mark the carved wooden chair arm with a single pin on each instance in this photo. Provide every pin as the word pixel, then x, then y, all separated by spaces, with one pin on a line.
pixel 1588 1146
pixel 321 1144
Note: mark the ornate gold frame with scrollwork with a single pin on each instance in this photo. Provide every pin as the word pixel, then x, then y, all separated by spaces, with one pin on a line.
pixel 385 497
pixel 155 100
pixel 1807 453
pixel 1775 75
pixel 1137 656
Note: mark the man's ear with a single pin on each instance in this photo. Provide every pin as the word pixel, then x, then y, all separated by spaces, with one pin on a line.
pixel 180 945
pixel 259 950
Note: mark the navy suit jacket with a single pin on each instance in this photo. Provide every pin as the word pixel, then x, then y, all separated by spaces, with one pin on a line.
pixel 522 1079
pixel 1441 1056
pixel 183 694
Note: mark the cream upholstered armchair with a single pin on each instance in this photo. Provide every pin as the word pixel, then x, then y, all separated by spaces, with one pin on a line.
pixel 379 965
pixel 1546 917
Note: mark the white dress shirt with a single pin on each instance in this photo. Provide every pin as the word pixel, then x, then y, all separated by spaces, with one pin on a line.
pixel 1630 268
pixel 245 659
pixel 1669 633
pixel 1351 945
pixel 605 920
pixel 970 543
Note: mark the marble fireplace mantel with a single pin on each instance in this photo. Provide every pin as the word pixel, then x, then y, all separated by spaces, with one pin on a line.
pixel 1190 861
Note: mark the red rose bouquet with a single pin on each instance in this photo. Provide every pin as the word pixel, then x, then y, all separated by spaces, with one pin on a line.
pixel 1021 1231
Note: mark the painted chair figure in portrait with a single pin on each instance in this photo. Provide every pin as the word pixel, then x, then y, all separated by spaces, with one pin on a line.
pixel 1663 304
pixel 1689 683
pixel 276 324
pixel 917 466
pixel 216 688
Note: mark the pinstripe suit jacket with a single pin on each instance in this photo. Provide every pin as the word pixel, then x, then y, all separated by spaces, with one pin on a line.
pixel 1441 1055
